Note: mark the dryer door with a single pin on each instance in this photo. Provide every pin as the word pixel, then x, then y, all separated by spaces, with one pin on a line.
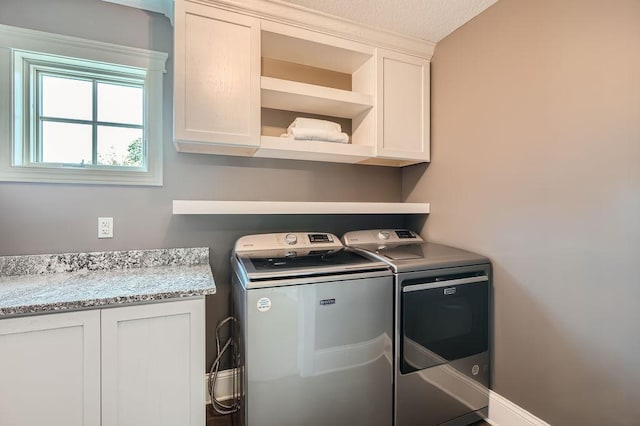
pixel 444 318
pixel 442 376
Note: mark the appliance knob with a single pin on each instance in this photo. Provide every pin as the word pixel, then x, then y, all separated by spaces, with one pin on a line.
pixel 291 239
pixel 383 235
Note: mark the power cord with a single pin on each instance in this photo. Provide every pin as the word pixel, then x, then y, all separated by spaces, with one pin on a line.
pixel 234 405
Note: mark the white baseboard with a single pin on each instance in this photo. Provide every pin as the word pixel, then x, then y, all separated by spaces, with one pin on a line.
pixel 503 412
pixel 224 385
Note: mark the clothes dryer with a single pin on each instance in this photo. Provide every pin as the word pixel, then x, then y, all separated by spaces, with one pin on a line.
pixel 442 322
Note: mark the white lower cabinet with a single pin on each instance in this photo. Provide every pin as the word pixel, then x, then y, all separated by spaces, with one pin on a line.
pixel 153 365
pixel 50 370
pixel 136 365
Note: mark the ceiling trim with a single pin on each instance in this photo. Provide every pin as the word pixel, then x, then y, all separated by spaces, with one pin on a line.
pixel 301 17
pixel 160 6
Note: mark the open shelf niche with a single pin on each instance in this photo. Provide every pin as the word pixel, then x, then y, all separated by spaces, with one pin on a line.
pixel 309 74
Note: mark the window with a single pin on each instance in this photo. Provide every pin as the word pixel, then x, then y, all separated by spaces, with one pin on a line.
pixel 81 117
pixel 80 111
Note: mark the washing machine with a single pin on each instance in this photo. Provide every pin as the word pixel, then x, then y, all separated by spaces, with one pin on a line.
pixel 314 328
pixel 442 321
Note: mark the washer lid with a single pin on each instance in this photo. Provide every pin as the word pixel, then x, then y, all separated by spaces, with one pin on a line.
pixel 259 267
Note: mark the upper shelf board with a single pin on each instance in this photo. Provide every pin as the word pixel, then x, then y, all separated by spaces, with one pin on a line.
pixel 295 207
pixel 309 98
pixel 288 46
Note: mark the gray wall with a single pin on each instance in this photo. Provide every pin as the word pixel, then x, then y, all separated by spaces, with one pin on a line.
pixel 54 218
pixel 536 163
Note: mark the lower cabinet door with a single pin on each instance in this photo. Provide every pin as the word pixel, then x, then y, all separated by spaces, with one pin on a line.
pixel 50 370
pixel 153 364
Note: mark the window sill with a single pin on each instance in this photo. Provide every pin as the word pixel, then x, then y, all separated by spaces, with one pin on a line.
pixel 80 175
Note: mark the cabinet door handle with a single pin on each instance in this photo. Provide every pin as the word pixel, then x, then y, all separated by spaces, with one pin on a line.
pixel 445 283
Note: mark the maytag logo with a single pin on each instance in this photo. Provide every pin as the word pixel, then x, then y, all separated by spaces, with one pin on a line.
pixel 325 302
pixel 449 291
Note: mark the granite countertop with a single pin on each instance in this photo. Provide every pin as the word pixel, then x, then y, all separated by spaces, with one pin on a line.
pixel 38 284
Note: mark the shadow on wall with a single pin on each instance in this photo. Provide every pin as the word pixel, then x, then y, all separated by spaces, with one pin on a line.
pixel 411 176
pixel 553 342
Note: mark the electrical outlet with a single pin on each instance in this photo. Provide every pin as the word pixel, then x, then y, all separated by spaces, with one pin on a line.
pixel 105 227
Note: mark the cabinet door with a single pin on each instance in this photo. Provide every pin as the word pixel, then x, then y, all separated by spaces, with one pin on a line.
pixel 153 365
pixel 403 94
pixel 50 370
pixel 216 80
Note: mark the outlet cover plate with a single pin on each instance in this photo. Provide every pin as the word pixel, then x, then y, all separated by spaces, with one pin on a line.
pixel 105 227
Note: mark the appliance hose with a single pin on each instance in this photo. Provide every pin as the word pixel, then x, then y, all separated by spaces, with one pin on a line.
pixel 232 405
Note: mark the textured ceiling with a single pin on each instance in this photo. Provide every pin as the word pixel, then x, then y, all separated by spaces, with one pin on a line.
pixel 425 19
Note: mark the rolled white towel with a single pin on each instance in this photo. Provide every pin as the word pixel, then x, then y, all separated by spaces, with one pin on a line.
pixel 315 124
pixel 317 135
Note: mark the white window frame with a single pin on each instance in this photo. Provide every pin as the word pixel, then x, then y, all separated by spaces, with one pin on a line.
pixel 20 49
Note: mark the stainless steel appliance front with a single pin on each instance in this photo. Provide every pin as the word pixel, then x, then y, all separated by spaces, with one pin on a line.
pixel 315 340
pixel 442 316
pixel 442 346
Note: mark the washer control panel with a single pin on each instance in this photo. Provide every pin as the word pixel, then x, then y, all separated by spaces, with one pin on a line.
pixel 381 236
pixel 285 240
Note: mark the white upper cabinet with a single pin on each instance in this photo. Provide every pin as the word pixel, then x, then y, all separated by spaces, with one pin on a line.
pixel 245 70
pixel 403 99
pixel 216 81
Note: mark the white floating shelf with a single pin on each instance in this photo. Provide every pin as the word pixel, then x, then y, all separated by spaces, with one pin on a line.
pixel 295 207
pixel 309 98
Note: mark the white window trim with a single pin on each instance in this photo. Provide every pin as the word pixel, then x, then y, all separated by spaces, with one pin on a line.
pixel 54 44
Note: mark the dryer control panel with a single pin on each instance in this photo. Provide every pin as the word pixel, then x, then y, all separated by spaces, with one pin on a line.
pixel 380 236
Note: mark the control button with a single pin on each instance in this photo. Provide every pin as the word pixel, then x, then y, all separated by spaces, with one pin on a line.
pixel 291 239
pixel 383 235
pixel 320 238
pixel 405 233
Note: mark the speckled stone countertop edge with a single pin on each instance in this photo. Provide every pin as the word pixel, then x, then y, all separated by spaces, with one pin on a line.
pixel 109 302
pixel 38 264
